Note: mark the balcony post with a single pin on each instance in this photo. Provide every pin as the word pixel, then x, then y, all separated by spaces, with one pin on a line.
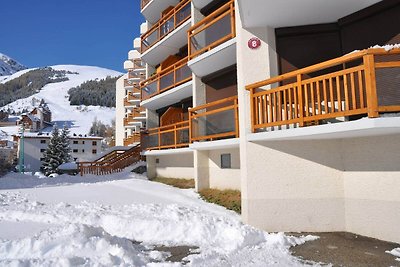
pixel 190 127
pixel 252 110
pixel 175 136
pixel 370 83
pixel 300 97
pixel 236 110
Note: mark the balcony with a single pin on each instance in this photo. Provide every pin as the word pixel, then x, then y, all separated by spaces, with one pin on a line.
pixel 360 84
pixel 173 79
pixel 168 35
pixel 130 83
pixel 166 137
pixel 214 121
pixel 136 74
pixel 134 138
pixel 212 43
pixel 132 97
pixel 128 104
pixel 152 9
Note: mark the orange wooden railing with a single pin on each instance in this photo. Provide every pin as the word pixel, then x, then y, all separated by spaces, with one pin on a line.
pixel 169 78
pixel 132 97
pixel 213 30
pixel 129 83
pixel 136 75
pixel 169 22
pixel 171 136
pixel 113 164
pixel 214 120
pixel 134 138
pixel 362 83
pixel 144 3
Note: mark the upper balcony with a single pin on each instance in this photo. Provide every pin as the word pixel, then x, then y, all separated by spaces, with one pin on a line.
pixel 212 42
pixel 152 9
pixel 213 121
pixel 134 138
pixel 357 85
pixel 167 87
pixel 168 35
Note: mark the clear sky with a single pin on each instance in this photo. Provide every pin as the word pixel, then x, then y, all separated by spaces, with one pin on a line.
pixel 84 32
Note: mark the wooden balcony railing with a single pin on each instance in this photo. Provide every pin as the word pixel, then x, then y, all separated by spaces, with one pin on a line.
pixel 214 120
pixel 138 64
pixel 360 83
pixel 171 77
pixel 132 97
pixel 134 138
pixel 136 75
pixel 144 3
pixel 127 103
pixel 171 136
pixel 116 163
pixel 136 112
pixel 213 30
pixel 172 20
pixel 130 83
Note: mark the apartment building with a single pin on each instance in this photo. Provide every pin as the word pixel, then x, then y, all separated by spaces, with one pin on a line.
pixel 130 116
pixel 269 97
pixel 83 148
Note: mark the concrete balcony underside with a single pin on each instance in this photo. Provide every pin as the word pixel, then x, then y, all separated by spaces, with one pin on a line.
pixel 169 45
pixel 261 13
pixel 360 128
pixel 152 11
pixel 169 97
pixel 199 4
pixel 214 60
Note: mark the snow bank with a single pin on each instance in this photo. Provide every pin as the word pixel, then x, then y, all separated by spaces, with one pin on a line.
pixel 120 222
pixel 395 252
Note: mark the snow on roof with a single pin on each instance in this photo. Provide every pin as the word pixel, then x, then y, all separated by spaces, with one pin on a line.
pixel 48 135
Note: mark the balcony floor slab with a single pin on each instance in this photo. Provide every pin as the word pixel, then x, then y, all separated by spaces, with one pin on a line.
pixel 360 128
pixel 184 150
pixel 169 97
pixel 215 145
pixel 214 60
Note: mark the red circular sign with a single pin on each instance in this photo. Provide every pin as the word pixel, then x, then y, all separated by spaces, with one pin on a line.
pixel 254 43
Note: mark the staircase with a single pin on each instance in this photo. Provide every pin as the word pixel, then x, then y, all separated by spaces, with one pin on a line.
pixel 112 162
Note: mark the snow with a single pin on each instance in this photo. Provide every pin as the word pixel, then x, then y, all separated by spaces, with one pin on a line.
pixel 395 252
pixel 78 118
pixel 120 219
pixel 387 47
pixel 9 66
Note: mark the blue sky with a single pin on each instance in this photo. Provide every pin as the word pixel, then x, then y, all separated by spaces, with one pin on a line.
pixel 84 32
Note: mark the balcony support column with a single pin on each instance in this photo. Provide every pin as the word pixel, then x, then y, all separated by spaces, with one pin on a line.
pixel 201 169
pixel 370 81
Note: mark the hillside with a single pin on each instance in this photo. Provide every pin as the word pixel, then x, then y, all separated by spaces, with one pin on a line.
pixel 95 93
pixel 9 66
pixel 79 118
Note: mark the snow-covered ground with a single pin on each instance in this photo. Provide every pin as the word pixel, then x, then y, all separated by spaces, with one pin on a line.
pixel 119 220
pixel 78 118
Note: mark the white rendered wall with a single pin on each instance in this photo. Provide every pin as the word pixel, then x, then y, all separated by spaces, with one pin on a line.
pixel 171 166
pixel 372 186
pixel 120 111
pixel 224 178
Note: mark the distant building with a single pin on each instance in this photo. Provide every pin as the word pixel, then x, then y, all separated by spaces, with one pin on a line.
pixel 3 116
pixel 83 148
pixel 38 119
pixel 7 151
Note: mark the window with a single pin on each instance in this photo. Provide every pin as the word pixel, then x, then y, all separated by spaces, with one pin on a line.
pixel 75 142
pixel 43 141
pixel 75 151
pixel 83 150
pixel 83 142
pixel 157 161
pixel 94 143
pixel 94 151
pixel 42 150
pixel 225 161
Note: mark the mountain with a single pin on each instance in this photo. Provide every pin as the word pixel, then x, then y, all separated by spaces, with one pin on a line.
pixel 79 118
pixel 9 66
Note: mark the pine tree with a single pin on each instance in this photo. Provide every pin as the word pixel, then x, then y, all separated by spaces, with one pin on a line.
pixel 53 156
pixel 65 148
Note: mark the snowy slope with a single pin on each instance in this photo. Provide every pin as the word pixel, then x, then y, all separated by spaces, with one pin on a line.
pixel 9 66
pixel 120 222
pixel 78 118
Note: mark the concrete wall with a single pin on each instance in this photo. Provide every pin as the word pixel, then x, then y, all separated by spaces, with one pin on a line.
pixel 120 111
pixel 372 186
pixel 171 166
pixel 325 185
pixel 224 178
